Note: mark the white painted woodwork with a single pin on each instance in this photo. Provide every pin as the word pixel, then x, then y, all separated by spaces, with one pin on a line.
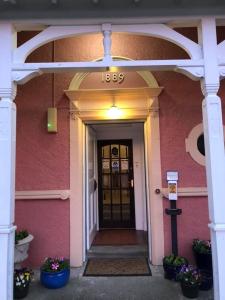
pixel 107 41
pixel 214 148
pixel 164 32
pixel 23 72
pixel 77 192
pixel 43 195
pixel 7 161
pixel 154 181
pixel 91 193
pixel 48 35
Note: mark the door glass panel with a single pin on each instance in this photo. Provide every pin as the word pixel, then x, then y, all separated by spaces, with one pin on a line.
pixel 124 165
pixel 124 181
pixel 115 151
pixel 123 151
pixel 115 166
pixel 106 205
pixel 106 197
pixel 106 184
pixel 116 212
pixel 125 196
pixel 106 165
pixel 115 181
pixel 106 151
pixel 115 196
pixel 126 212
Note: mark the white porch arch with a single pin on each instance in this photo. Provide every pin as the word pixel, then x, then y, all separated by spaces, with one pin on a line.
pixel 205 65
pixel 59 32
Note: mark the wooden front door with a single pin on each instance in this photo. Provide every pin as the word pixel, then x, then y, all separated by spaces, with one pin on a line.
pixel 116 184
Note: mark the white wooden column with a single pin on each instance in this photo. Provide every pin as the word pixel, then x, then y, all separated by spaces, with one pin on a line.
pixel 7 162
pixel 215 156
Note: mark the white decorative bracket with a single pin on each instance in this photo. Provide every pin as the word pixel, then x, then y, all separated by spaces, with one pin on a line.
pixel 107 41
pixel 194 73
pixel 22 77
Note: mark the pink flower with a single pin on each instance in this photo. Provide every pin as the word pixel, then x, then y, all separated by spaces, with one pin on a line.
pixel 55 266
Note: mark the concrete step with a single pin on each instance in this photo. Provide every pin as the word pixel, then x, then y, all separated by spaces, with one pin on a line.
pixel 118 251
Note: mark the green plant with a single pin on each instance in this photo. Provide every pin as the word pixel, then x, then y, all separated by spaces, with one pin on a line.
pixel 20 235
pixel 202 246
pixel 190 275
pixel 168 260
pixel 55 264
pixel 175 261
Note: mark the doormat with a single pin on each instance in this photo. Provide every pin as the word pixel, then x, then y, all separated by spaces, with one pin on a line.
pixel 117 267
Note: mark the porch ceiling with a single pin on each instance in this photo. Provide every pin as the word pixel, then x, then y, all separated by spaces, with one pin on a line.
pixel 92 104
pixel 105 9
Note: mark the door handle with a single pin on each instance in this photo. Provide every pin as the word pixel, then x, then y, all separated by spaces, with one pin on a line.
pixel 132 183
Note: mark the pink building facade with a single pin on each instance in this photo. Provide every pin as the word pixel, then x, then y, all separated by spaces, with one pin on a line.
pixel 164 76
pixel 43 159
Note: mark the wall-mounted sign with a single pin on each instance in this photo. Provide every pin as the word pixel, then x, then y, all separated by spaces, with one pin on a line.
pixel 113 77
pixel 172 178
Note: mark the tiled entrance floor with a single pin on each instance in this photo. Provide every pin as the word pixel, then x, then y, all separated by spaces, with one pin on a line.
pixel 116 237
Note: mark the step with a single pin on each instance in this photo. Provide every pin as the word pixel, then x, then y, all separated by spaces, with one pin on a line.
pixel 118 251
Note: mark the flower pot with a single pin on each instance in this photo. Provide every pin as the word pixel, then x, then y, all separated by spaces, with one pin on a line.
pixel 171 272
pixel 206 280
pixel 21 250
pixel 189 291
pixel 204 261
pixel 20 292
pixel 55 280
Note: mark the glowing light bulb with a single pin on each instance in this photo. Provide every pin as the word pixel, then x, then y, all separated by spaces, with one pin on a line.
pixel 114 112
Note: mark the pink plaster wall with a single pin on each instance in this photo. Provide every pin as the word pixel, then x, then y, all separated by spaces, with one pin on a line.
pixel 48 221
pixel 43 159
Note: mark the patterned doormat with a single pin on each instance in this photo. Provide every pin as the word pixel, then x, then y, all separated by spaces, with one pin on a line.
pixel 138 266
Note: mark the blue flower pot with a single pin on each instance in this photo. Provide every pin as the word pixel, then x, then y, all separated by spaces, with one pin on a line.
pixel 55 280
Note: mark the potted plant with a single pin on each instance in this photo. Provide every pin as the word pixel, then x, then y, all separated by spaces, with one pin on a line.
pixel 22 278
pixel 55 272
pixel 172 265
pixel 206 280
pixel 190 279
pixel 22 243
pixel 203 254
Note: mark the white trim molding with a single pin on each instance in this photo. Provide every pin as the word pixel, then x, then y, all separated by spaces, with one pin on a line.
pixel 43 195
pixel 191 144
pixel 188 192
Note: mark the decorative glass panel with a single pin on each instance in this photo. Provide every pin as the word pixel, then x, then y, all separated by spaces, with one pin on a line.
pixel 115 166
pixel 123 151
pixel 124 165
pixel 106 165
pixel 106 151
pixel 115 151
